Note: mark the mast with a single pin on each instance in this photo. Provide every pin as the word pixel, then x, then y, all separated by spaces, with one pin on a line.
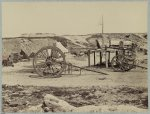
pixel 102 25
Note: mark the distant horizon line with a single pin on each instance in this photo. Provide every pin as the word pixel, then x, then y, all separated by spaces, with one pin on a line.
pixel 72 34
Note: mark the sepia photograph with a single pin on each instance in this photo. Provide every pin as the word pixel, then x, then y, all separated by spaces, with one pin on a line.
pixel 71 56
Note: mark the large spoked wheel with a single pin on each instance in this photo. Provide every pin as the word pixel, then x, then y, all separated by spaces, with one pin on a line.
pixel 122 63
pixel 49 62
pixel 116 63
pixel 128 64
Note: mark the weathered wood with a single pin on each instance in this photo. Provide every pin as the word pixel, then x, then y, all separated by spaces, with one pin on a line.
pixel 116 53
pixel 84 68
pixel 89 70
pixel 100 57
pixel 108 56
pixel 94 59
pixel 106 59
pixel 141 67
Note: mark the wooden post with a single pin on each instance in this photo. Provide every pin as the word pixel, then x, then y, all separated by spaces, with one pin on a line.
pixel 116 52
pixel 109 42
pixel 89 58
pixel 106 59
pixel 94 58
pixel 100 58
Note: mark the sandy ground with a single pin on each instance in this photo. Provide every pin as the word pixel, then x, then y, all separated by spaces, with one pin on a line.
pixel 23 74
pixel 23 88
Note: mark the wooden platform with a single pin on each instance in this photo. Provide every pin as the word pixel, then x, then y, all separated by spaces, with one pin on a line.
pixel 106 51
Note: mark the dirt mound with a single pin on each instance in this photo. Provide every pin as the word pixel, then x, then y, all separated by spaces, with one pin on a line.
pixel 32 42
pixel 10 46
pixel 26 44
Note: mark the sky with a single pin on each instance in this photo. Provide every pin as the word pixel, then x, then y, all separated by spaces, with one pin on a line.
pixel 74 18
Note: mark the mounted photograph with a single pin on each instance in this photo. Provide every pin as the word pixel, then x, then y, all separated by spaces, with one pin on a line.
pixel 74 56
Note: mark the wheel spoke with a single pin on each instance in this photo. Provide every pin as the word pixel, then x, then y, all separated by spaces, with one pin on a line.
pixel 44 54
pixel 115 63
pixel 48 52
pixel 41 67
pixel 49 61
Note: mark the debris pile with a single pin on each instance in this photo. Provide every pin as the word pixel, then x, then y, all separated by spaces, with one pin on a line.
pixel 30 98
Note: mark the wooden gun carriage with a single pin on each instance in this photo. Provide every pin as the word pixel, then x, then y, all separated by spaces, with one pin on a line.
pixel 51 61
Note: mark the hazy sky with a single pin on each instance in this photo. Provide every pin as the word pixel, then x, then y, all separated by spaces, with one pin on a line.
pixel 73 17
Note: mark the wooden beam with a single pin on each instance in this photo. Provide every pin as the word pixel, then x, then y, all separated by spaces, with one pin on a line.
pixel 141 66
pixel 90 70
